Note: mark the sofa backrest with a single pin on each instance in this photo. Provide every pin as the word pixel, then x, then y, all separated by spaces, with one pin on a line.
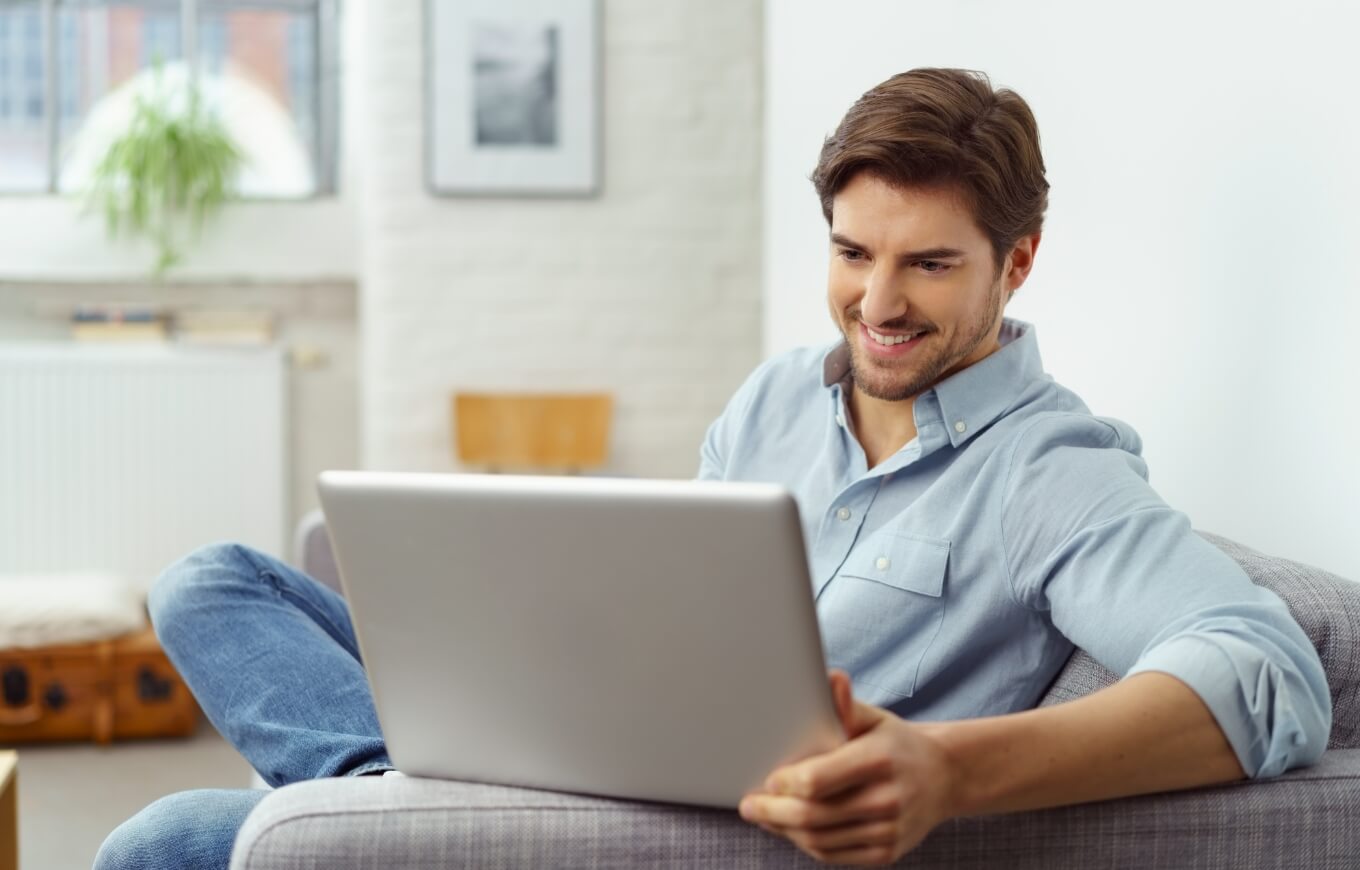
pixel 1326 607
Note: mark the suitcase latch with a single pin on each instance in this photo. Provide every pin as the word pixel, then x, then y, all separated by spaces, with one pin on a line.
pixel 151 687
pixel 15 682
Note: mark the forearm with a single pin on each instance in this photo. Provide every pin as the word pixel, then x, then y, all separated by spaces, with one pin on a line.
pixel 1148 733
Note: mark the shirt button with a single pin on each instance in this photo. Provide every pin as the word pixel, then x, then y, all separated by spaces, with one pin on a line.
pixel 843 514
pixel 840 420
pixel 882 563
pixel 960 427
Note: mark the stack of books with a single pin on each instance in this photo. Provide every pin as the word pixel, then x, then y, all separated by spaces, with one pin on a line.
pixel 224 326
pixel 119 323
pixel 217 326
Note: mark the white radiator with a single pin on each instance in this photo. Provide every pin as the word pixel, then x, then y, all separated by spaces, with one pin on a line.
pixel 122 458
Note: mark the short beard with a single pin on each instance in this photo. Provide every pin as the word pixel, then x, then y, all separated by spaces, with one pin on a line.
pixel 926 373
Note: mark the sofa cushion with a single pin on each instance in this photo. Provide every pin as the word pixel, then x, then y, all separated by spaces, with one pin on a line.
pixel 1303 818
pixel 1327 608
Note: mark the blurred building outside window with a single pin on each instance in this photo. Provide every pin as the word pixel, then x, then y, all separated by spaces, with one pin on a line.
pixel 23 140
pixel 266 66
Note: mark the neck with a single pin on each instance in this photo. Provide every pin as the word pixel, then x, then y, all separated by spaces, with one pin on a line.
pixel 882 427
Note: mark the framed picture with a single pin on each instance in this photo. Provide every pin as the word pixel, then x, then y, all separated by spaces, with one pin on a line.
pixel 512 97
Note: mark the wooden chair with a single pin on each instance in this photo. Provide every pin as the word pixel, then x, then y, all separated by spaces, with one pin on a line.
pixel 538 432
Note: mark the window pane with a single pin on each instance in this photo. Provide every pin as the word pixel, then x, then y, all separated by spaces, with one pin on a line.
pixel 107 53
pixel 23 128
pixel 259 68
pixel 160 36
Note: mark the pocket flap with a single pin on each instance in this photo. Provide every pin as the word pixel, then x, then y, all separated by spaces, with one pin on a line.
pixel 911 562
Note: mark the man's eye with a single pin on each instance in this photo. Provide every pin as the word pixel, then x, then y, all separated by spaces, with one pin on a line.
pixel 852 256
pixel 932 266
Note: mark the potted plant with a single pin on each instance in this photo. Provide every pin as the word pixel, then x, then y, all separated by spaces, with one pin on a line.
pixel 175 164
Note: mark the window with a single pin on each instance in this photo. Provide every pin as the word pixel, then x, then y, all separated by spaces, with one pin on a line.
pixel 265 66
pixel 260 60
pixel 68 57
pixel 23 133
pixel 160 36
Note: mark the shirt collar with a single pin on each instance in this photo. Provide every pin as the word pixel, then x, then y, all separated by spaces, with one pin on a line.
pixel 971 399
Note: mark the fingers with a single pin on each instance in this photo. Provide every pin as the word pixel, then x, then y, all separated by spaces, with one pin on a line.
pixel 869 856
pixel 856 718
pixel 865 827
pixel 874 804
pixel 855 843
pixel 822 776
pixel 847 837
pixel 840 693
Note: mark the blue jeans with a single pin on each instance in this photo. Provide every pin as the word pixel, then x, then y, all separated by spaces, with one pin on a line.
pixel 270 655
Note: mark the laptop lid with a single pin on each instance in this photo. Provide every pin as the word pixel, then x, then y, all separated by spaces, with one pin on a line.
pixel 633 638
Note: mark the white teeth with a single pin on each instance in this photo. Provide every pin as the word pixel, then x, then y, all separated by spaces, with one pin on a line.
pixel 890 339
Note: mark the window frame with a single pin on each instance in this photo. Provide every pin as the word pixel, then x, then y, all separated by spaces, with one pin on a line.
pixel 326 96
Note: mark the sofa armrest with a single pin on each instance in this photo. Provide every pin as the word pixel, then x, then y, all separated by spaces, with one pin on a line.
pixel 1301 819
pixel 312 552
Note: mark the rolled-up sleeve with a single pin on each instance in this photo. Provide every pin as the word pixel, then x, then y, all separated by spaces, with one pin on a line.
pixel 1126 578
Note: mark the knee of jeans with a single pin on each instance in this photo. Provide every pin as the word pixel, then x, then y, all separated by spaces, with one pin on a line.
pixel 130 846
pixel 187 580
pixel 168 833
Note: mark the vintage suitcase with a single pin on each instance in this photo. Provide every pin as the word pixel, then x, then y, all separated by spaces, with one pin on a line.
pixel 104 691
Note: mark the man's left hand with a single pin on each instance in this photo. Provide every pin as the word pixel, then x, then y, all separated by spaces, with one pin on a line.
pixel 867 802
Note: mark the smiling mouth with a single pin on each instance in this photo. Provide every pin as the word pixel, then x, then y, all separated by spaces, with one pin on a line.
pixel 890 340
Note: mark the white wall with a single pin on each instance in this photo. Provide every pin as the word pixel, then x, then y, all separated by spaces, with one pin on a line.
pixel 54 238
pixel 651 290
pixel 1198 276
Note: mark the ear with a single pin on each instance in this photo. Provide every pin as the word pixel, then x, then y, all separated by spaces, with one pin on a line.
pixel 1019 262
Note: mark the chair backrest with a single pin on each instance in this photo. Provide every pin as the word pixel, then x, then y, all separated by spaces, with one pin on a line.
pixel 1326 607
pixel 541 432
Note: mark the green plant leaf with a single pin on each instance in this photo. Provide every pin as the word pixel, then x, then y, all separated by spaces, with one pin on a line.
pixel 171 170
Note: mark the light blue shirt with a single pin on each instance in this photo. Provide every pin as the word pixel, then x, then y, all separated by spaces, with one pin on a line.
pixel 954 579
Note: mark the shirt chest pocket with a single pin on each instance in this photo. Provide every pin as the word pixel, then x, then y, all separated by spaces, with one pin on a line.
pixel 882 611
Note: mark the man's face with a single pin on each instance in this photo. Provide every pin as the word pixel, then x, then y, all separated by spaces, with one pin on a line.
pixel 912 285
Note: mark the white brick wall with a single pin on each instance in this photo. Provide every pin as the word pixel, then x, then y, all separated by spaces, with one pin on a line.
pixel 650 290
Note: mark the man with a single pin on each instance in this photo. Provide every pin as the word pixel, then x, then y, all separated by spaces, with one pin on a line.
pixel 968 522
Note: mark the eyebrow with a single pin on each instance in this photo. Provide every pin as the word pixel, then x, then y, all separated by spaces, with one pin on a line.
pixel 924 254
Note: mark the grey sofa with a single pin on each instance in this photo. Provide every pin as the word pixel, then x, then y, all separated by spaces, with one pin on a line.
pixel 1308 818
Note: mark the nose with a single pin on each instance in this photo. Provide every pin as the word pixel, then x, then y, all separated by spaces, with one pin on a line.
pixel 883 300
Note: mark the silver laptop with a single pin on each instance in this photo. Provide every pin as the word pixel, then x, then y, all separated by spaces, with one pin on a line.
pixel 633 638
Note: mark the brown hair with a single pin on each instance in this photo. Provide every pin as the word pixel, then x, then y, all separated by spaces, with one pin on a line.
pixel 929 127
